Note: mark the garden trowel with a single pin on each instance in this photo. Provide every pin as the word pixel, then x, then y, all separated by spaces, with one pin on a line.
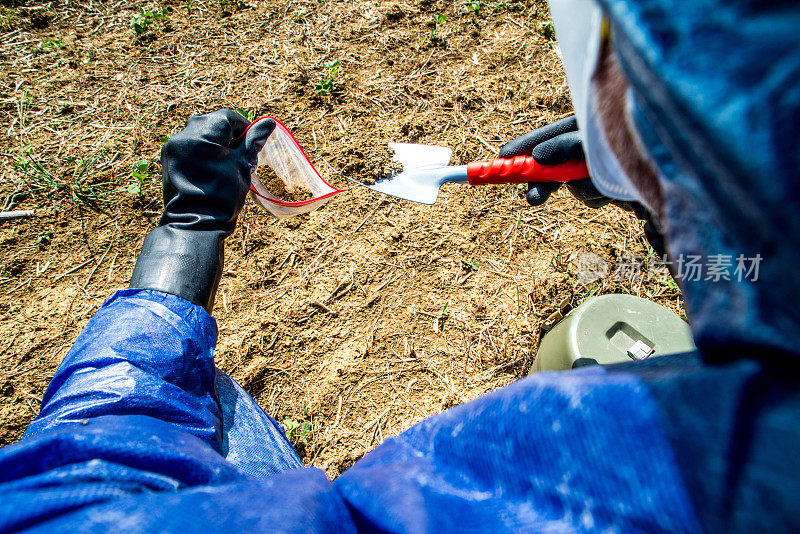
pixel 425 168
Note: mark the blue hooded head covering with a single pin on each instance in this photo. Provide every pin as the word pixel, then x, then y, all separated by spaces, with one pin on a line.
pixel 715 97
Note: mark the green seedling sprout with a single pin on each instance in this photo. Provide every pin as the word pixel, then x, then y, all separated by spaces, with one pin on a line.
pixel 296 429
pixel 44 238
pixel 470 265
pixel 474 6
pixel 143 21
pixel 438 20
pixel 141 177
pixel 50 44
pixel 249 114
pixel 141 173
pixel 328 84
pixel 438 320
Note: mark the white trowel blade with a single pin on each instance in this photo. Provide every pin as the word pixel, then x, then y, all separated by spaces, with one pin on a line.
pixel 424 169
pixel 413 156
pixel 421 174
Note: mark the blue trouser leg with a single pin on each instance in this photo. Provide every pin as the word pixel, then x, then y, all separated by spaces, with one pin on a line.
pixel 149 353
pixel 138 428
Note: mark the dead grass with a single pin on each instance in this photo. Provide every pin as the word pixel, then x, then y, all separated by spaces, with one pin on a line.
pixel 361 318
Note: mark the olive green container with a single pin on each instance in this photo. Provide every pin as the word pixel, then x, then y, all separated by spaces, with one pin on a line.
pixel 612 329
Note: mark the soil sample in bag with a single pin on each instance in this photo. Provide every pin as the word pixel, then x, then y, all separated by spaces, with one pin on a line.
pixel 279 189
pixel 368 164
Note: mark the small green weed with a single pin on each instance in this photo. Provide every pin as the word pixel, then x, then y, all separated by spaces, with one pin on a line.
pixel 299 16
pixel 143 21
pixel 76 184
pixel 328 84
pixel 500 7
pixel 548 31
pixel 474 6
pixel 470 265
pixel 504 6
pixel 44 238
pixel 23 108
pixel 141 176
pixel 73 177
pixel 592 291
pixel 48 45
pixel 297 430
pixel 441 317
pixel 438 21
pixel 6 21
pixel 249 114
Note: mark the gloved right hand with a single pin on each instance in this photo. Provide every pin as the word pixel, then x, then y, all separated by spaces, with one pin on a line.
pixel 554 143
pixel 559 142
pixel 206 170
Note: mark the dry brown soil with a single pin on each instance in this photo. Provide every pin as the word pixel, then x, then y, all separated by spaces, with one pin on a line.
pixel 278 188
pixel 358 319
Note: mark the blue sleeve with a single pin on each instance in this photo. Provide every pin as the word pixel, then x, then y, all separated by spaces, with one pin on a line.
pixel 577 451
pixel 151 354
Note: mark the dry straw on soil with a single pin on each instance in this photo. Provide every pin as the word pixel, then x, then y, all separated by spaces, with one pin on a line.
pixel 359 319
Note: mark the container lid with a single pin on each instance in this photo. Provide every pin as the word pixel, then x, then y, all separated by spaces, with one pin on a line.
pixel 614 328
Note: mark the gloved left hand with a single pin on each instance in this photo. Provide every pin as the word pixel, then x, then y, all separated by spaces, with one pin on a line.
pixel 206 170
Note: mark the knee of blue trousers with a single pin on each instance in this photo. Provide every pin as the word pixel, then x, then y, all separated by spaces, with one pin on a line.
pixel 150 353
pixel 142 353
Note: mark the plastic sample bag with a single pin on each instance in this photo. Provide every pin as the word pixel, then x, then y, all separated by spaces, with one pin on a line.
pixel 285 156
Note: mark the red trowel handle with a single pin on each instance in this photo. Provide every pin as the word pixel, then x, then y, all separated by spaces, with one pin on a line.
pixel 521 169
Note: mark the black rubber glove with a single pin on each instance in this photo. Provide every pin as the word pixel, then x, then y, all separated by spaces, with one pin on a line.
pixel 559 142
pixel 552 144
pixel 206 170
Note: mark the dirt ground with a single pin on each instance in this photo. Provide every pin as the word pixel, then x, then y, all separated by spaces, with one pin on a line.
pixel 352 323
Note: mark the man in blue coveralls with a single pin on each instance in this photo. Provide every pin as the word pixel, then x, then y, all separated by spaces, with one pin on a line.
pixel 688 111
